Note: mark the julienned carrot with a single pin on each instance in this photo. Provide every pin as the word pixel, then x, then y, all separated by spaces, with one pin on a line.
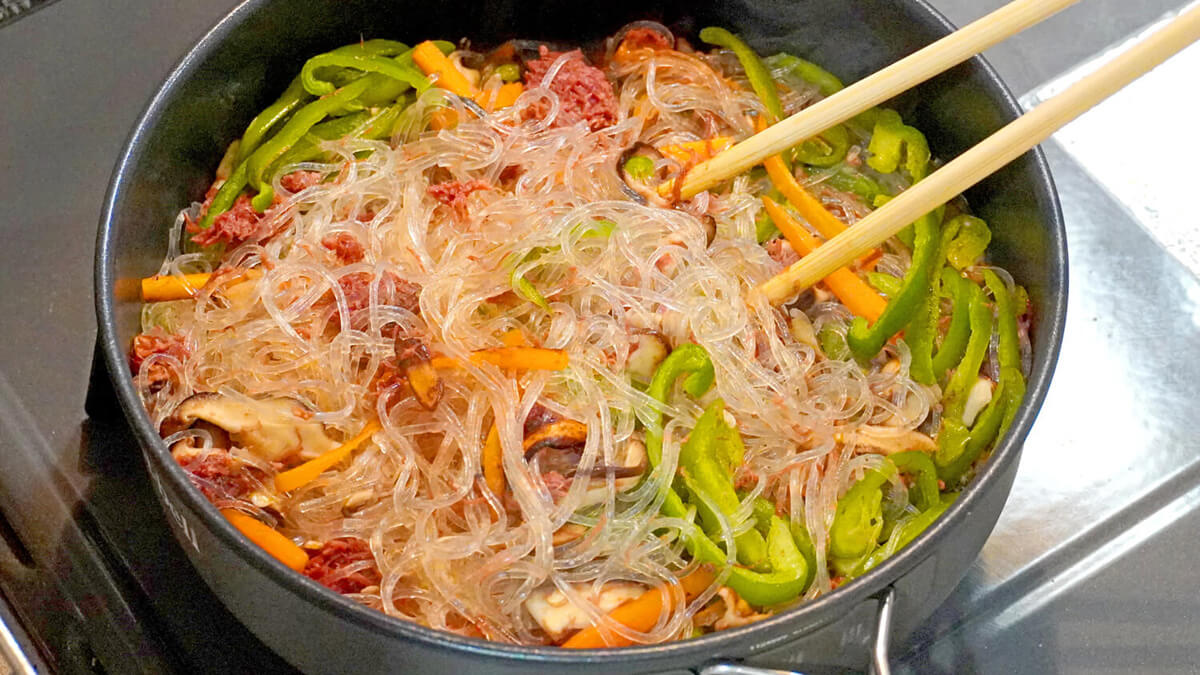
pixel 445 362
pixel 280 547
pixel 159 288
pixel 641 613
pixel 696 151
pixel 309 471
pixel 503 97
pixel 432 61
pixel 855 293
pixel 809 206
pixel 514 337
pixel 493 462
pixel 162 287
pixel 522 358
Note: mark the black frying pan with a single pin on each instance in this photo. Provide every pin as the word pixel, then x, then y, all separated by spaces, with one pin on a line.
pixel 248 58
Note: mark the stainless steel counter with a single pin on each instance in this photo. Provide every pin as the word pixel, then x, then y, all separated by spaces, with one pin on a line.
pixel 1091 565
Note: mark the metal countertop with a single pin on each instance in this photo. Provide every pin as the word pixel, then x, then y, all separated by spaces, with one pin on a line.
pixel 1089 569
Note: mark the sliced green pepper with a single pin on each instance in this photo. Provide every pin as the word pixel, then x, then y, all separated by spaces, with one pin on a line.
pixel 920 335
pixel 827 148
pixel 955 439
pixel 920 468
pixel 955 342
pixel 706 462
pixel 760 78
pixel 969 239
pixel 366 63
pixel 289 102
pixel 826 83
pixel 909 530
pixel 892 138
pixel 788 568
pixel 846 179
pixel 967 370
pixel 884 283
pixel 295 129
pixel 1008 349
pixel 859 517
pixel 866 341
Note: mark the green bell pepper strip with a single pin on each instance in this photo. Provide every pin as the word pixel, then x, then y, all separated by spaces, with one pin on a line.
pixel 295 129
pixel 955 342
pixel 865 342
pixel 920 335
pixel 891 138
pixel 859 516
pixel 955 440
pixel 288 102
pixel 690 360
pixel 828 148
pixel 226 195
pixel 756 71
pixel 826 83
pixel 707 461
pixel 367 125
pixel 789 570
pixel 971 238
pixel 967 370
pixel 884 283
pixel 764 511
pixel 846 179
pixel 1008 348
pixel 392 68
pixel 924 490
pixel 909 530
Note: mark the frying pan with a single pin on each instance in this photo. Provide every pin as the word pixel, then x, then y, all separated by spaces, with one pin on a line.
pixel 240 65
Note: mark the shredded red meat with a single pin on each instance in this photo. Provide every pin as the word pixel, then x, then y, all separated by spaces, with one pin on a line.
pixel 239 223
pixel 454 193
pixel 782 252
pixel 345 565
pixel 345 247
pixel 300 180
pixel 393 291
pixel 645 38
pixel 156 341
pixel 584 93
pixel 219 475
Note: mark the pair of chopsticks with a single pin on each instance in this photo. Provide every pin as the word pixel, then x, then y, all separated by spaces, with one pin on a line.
pixel 964 171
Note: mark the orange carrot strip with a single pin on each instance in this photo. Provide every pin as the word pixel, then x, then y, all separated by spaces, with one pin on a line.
pixel 855 293
pixel 280 547
pixel 514 337
pixel 809 206
pixel 503 97
pixel 309 471
pixel 445 362
pixel 161 287
pixel 493 462
pixel 640 613
pixel 432 61
pixel 696 151
pixel 443 118
pixel 522 358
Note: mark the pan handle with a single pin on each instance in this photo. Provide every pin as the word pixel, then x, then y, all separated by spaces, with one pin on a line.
pixel 879 648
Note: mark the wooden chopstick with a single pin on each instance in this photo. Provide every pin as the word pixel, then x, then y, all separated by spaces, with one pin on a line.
pixel 994 152
pixel 902 75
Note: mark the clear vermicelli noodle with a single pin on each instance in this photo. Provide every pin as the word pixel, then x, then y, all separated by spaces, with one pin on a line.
pixel 502 289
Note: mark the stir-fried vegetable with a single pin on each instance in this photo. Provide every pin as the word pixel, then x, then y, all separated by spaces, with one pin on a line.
pixel 265 537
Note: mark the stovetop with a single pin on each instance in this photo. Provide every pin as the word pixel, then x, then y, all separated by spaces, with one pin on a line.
pixel 1090 567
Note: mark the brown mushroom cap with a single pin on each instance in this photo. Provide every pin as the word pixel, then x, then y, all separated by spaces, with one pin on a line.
pixel 273 428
